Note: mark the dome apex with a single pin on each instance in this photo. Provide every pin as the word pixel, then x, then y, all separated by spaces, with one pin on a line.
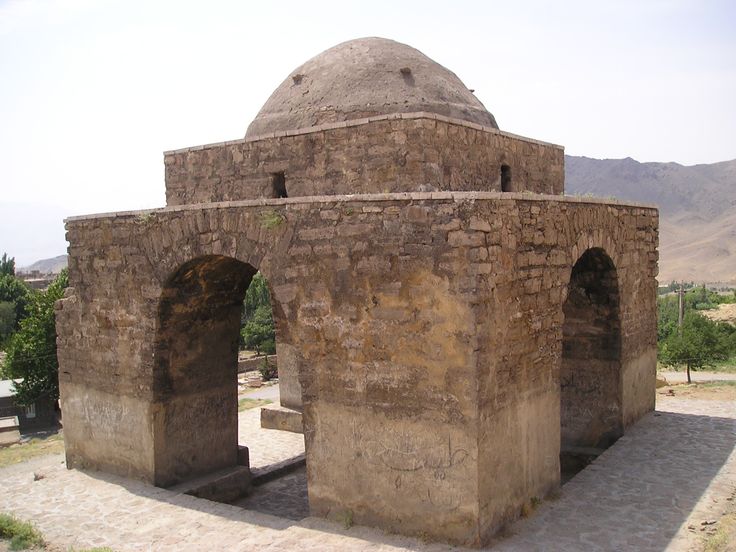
pixel 363 78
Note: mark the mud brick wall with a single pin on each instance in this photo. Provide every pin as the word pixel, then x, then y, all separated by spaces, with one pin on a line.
pixel 395 153
pixel 426 329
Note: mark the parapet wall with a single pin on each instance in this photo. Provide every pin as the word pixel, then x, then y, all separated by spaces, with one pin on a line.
pixel 418 152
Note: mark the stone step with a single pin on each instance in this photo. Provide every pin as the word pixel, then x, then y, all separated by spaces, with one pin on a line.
pixel 582 451
pixel 279 469
pixel 226 485
pixel 280 417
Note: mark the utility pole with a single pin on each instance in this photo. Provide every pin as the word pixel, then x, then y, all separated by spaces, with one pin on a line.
pixel 681 305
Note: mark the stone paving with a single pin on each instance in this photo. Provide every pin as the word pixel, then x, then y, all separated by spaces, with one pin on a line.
pixel 649 492
pixel 266 446
pixel 285 497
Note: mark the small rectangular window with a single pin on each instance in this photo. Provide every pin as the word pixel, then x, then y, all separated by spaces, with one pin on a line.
pixel 278 185
pixel 31 411
pixel 505 178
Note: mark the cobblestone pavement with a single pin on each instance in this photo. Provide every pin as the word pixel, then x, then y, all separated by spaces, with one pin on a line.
pixel 266 446
pixel 649 492
pixel 668 472
pixel 285 497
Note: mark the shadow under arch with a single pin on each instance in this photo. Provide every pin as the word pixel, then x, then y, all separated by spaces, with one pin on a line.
pixel 591 409
pixel 195 368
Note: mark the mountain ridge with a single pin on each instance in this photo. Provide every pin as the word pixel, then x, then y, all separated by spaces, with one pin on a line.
pixel 52 265
pixel 697 205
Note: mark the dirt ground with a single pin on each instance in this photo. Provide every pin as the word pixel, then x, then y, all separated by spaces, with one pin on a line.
pixel 717 534
pixel 724 313
pixel 716 390
pixel 720 534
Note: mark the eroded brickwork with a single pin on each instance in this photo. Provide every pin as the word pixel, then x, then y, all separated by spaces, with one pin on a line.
pixel 396 153
pixel 426 329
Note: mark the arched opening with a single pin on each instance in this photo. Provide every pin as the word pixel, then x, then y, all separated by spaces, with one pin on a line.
pixel 506 178
pixel 201 444
pixel 590 373
pixel 195 370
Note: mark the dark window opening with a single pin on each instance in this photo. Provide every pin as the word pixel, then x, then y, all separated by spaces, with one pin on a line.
pixel 278 184
pixel 505 178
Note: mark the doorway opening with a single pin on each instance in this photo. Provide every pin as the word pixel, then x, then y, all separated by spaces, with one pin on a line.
pixel 279 467
pixel 590 373
pixel 208 441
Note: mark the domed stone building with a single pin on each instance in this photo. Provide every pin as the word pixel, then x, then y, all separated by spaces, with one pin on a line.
pixel 366 78
pixel 452 327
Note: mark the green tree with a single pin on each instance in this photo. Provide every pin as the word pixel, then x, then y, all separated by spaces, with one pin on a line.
pixel 701 343
pixel 7 265
pixel 7 321
pixel 256 296
pixel 15 291
pixel 667 315
pixel 258 332
pixel 31 352
pixel 257 328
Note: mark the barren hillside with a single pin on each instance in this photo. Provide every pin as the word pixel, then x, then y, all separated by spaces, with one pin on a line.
pixel 697 209
pixel 53 265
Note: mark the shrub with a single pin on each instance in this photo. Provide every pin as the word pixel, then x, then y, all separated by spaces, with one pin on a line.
pixel 268 371
pixel 22 535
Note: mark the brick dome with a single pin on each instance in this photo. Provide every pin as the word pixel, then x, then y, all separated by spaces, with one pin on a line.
pixel 362 78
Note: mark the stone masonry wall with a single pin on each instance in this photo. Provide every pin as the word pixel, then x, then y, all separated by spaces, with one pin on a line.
pixel 532 247
pixel 397 153
pixel 426 329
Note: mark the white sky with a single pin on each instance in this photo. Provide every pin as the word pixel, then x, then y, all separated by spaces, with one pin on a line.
pixel 93 91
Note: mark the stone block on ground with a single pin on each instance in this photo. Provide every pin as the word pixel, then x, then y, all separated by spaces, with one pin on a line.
pixel 9 431
pixel 225 485
pixel 280 417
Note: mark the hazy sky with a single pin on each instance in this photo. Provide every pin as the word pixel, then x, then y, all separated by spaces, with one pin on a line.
pixel 93 91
